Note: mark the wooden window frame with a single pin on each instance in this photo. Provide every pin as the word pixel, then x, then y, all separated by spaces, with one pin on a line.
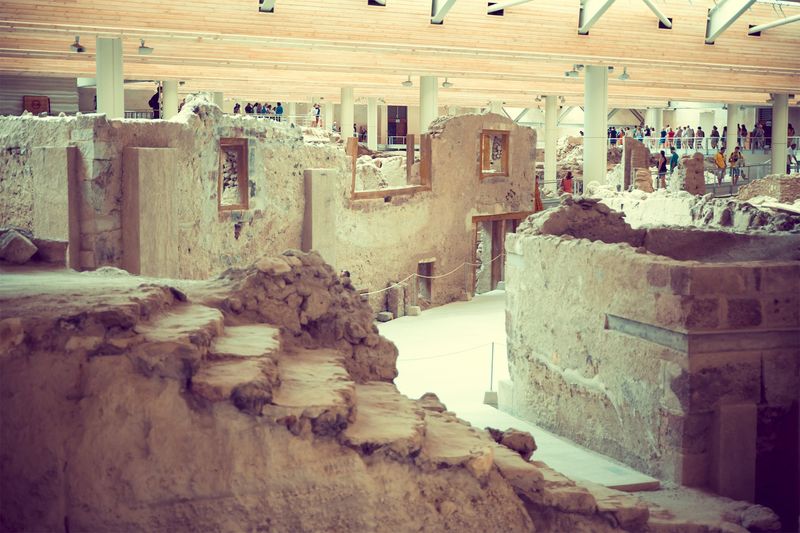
pixel 244 174
pixel 485 152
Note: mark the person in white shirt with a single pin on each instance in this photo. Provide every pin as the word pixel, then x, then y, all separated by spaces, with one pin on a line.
pixel 791 158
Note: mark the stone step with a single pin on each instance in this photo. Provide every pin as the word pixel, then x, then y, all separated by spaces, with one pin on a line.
pixel 176 341
pixel 386 422
pixel 248 383
pixel 316 394
pixel 255 340
pixel 450 443
pixel 193 323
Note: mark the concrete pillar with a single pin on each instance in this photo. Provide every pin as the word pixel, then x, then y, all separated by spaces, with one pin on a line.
pixel 328 124
pixel 319 219
pixel 169 99
pixel 110 91
pixel 219 100
pixel 595 156
pixel 653 118
pixel 291 112
pixel 372 123
pixel 780 125
pixel 496 107
pixel 428 101
pixel 347 112
pixel 733 121
pixel 551 111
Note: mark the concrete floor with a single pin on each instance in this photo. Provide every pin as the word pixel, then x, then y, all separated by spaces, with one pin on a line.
pixel 448 350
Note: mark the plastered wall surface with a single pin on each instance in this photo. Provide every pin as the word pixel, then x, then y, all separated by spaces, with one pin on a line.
pixel 378 241
pixel 651 359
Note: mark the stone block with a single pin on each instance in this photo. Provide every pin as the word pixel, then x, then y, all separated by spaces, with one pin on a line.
pixel 702 313
pixel 15 247
pixel 395 300
pixel 781 310
pixel 744 312
pixel 384 316
pixel 733 456
pixel 781 377
pixel 51 251
pixel 413 310
pixel 149 212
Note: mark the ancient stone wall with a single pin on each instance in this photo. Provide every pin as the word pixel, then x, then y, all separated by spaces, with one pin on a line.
pixel 783 187
pixel 376 240
pixel 678 367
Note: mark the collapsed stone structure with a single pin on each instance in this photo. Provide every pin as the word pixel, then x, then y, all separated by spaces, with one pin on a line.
pixel 259 400
pixel 192 196
pixel 671 349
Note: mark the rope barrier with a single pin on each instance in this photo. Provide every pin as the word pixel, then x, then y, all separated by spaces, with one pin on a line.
pixel 459 267
pixel 437 356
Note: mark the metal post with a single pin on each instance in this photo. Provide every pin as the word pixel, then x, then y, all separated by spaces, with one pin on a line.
pixel 491 371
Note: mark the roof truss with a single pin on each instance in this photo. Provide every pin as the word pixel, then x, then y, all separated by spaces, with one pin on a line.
pixel 591 11
pixel 439 9
pixel 722 15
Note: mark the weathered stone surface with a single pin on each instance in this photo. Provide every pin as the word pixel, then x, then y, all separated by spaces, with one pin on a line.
pixel 430 402
pixel 50 251
pixel 413 310
pixel 15 247
pixel 384 316
pixel 248 383
pixel 521 442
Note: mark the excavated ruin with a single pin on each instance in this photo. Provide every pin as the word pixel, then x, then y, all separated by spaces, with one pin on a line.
pixel 261 400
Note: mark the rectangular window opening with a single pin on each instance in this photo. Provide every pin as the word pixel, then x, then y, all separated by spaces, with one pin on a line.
pixel 424 281
pixel 494 153
pixel 232 190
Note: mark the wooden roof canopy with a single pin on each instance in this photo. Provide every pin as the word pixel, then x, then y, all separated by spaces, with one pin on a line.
pixel 294 50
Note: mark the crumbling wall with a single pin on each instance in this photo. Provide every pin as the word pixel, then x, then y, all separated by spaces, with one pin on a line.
pixel 376 240
pixel 684 209
pixel 783 188
pixel 641 356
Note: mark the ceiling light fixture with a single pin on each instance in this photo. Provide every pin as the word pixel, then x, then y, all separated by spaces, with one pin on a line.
pixel 562 99
pixel 77 46
pixel 447 84
pixel 624 76
pixel 538 99
pixel 572 73
pixel 408 82
pixel 144 50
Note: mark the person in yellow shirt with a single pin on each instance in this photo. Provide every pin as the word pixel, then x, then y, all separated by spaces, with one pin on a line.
pixel 719 159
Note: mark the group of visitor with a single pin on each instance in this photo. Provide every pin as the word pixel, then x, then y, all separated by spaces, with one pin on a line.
pixel 275 113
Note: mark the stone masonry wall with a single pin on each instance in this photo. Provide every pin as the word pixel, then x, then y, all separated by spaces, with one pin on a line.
pixel 641 357
pixel 377 240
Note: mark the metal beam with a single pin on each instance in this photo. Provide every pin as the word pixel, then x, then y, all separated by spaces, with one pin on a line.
pixel 591 11
pixel 380 2
pixel 661 16
pixel 613 112
pixel 773 24
pixel 505 5
pixel 636 113
pixel 723 15
pixel 564 113
pixel 439 9
pixel 521 115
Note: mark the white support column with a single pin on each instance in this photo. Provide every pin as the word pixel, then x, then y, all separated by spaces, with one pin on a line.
pixel 595 156
pixel 110 90
pixel 733 122
pixel 550 140
pixel 496 107
pixel 780 125
pixel 219 100
pixel 291 112
pixel 347 112
pixel 169 100
pixel 329 107
pixel 428 101
pixel 372 123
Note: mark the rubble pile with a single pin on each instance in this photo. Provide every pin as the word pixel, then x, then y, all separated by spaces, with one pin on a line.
pixel 783 188
pixel 569 156
pixel 380 172
pixel 670 208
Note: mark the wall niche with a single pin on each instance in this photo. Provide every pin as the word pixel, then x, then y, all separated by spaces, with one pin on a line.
pixel 494 154
pixel 232 191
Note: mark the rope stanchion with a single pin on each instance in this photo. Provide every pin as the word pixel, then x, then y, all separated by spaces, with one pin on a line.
pixel 456 269
pixel 437 356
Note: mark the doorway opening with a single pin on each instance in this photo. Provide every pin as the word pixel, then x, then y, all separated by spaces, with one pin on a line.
pixel 489 258
pixel 424 283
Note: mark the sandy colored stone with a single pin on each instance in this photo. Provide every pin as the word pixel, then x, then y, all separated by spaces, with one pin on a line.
pixel 248 383
pixel 521 442
pixel 15 247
